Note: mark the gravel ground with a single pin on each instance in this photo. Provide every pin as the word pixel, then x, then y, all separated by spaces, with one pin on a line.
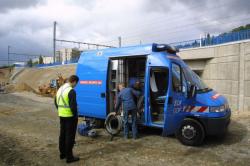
pixel 29 129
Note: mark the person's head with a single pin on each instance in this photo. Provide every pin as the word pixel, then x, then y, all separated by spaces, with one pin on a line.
pixel 73 80
pixel 121 86
pixel 134 83
pixel 137 84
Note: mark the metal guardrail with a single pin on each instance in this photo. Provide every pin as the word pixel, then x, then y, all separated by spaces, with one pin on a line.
pixel 214 40
pixel 57 63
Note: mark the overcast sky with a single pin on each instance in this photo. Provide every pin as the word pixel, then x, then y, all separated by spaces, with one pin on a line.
pixel 27 25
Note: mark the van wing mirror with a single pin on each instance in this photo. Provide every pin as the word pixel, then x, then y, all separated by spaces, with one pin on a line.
pixel 192 91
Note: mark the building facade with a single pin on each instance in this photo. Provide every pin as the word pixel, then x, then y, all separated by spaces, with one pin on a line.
pixel 48 60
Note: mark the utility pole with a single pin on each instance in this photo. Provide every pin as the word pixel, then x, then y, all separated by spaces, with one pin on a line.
pixel 59 55
pixel 8 55
pixel 120 41
pixel 66 54
pixel 54 41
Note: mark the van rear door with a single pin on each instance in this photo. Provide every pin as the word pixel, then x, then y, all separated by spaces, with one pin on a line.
pixel 91 91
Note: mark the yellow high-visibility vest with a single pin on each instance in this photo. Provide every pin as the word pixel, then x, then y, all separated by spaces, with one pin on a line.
pixel 62 100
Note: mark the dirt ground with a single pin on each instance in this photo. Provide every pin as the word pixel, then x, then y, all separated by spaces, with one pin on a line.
pixel 29 136
pixel 5 75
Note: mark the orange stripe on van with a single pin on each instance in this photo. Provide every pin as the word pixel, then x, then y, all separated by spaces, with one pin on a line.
pixel 215 96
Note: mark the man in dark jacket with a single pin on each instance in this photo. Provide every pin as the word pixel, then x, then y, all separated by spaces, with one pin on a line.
pixel 126 97
pixel 66 105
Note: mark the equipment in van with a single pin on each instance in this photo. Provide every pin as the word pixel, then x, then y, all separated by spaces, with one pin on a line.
pixel 175 98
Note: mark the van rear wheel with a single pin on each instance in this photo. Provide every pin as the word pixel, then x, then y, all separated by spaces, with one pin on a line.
pixel 191 132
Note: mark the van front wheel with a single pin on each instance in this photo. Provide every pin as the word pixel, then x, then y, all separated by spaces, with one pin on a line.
pixel 191 132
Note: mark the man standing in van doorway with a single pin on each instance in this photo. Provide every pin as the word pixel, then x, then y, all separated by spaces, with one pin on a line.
pixel 66 105
pixel 126 97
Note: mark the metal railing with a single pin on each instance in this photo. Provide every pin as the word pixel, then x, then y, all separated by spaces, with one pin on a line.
pixel 214 40
pixel 71 61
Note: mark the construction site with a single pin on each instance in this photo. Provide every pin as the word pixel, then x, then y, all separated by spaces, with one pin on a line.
pixel 193 94
pixel 29 130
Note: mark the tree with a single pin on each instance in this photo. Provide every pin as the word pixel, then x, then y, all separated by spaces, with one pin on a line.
pixel 29 63
pixel 208 39
pixel 40 60
pixel 240 28
pixel 75 55
pixel 195 44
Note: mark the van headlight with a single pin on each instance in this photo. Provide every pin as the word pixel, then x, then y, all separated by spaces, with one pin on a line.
pixel 217 109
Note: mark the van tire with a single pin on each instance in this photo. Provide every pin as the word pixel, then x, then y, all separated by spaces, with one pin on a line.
pixel 191 132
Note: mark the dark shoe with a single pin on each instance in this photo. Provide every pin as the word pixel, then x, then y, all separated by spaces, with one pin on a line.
pixel 73 159
pixel 62 156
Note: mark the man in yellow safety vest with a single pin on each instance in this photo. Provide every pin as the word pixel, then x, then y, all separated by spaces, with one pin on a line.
pixel 66 105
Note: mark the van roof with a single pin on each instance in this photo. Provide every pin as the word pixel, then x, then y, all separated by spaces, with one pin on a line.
pixel 133 50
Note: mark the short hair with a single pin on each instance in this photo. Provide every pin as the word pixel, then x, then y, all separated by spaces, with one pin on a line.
pixel 73 78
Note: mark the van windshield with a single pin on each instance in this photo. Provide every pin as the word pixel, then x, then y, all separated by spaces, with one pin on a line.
pixel 193 79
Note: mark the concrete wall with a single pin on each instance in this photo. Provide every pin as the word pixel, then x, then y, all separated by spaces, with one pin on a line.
pixel 226 68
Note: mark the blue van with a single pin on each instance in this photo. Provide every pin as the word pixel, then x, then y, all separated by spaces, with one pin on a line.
pixel 174 97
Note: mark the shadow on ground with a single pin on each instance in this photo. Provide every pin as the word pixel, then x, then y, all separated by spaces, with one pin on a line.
pixel 235 134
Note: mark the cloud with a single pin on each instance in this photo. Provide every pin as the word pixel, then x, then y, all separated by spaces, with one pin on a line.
pixel 208 16
pixel 159 5
pixel 28 25
pixel 86 4
pixel 214 13
pixel 232 6
pixel 16 4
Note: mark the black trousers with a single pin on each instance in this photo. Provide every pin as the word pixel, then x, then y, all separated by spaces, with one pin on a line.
pixel 67 136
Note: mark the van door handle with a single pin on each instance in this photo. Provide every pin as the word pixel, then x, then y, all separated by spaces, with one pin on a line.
pixel 103 95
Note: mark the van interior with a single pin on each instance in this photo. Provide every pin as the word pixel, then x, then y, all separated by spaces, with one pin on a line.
pixel 158 89
pixel 122 69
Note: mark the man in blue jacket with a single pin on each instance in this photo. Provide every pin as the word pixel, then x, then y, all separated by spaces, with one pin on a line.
pixel 126 97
